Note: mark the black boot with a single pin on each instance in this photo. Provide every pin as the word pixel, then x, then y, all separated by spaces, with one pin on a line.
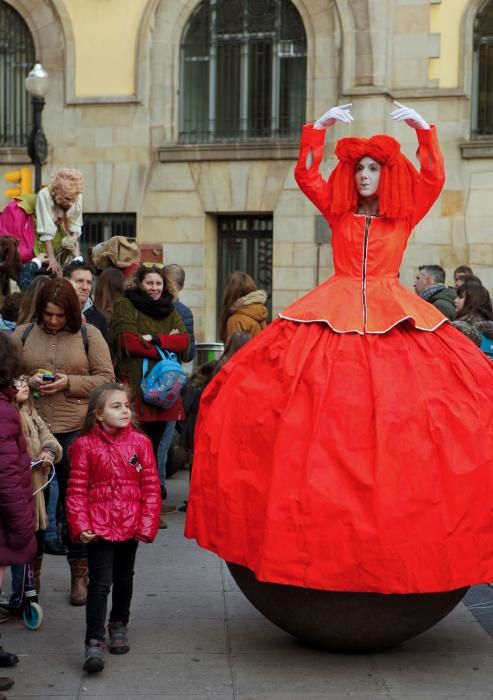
pixel 6 683
pixel 7 659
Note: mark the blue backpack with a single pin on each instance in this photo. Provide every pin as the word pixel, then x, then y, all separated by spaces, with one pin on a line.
pixel 487 346
pixel 162 386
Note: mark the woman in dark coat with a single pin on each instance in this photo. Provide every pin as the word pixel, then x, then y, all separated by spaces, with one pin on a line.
pixel 17 538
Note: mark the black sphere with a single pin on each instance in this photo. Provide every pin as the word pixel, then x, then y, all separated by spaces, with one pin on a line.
pixel 346 622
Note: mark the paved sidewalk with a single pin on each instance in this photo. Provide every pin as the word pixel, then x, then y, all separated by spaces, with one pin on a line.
pixel 195 637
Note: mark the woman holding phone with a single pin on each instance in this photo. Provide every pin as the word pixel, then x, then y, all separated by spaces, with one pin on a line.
pixel 64 360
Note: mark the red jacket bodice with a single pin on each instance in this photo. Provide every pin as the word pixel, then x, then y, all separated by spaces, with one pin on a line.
pixel 114 487
pixel 365 295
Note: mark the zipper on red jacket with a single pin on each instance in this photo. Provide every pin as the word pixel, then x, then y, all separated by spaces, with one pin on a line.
pixel 365 257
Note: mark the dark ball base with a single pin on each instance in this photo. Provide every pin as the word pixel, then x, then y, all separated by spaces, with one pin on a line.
pixel 346 622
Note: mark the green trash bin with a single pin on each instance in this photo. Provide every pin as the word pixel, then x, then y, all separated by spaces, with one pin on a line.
pixel 205 352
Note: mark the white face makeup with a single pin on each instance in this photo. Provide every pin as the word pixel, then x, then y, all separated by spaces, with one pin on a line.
pixel 367 177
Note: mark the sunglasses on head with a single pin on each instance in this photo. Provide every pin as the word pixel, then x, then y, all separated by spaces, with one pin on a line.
pixel 153 264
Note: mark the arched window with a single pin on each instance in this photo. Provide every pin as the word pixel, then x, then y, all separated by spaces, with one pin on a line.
pixel 482 117
pixel 16 60
pixel 243 72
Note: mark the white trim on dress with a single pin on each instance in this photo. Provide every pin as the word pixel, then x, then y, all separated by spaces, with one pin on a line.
pixel 401 320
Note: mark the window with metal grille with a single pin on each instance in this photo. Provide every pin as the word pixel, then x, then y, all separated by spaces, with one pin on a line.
pixel 245 244
pixel 243 72
pixel 482 117
pixel 98 228
pixel 17 57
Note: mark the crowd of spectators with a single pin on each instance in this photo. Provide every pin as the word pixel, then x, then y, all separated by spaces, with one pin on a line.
pixel 64 331
pixel 467 304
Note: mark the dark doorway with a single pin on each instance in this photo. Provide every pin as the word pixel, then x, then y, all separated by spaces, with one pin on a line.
pixel 245 243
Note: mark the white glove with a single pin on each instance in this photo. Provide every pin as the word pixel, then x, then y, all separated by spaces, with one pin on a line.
pixel 341 113
pixel 408 115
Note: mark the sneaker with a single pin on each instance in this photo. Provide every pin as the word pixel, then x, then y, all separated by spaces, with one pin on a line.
pixel 118 632
pixel 7 659
pixel 6 683
pixel 94 656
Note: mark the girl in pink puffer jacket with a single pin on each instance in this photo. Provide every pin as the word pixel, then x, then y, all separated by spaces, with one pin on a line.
pixel 113 502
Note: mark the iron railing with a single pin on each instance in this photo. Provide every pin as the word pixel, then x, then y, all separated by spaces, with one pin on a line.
pixel 17 57
pixel 98 228
pixel 243 72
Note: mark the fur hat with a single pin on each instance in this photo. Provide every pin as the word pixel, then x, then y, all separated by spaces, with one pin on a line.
pixel 398 176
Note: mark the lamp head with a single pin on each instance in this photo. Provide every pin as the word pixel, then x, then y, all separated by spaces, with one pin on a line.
pixel 37 81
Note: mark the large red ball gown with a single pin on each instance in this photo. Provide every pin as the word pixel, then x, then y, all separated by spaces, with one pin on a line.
pixel 349 446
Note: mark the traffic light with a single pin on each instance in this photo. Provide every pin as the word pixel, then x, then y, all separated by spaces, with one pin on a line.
pixel 23 177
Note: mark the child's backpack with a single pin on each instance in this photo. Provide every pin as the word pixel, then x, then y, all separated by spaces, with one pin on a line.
pixel 162 386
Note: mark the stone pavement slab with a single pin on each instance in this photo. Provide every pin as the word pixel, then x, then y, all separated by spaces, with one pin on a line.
pixel 194 636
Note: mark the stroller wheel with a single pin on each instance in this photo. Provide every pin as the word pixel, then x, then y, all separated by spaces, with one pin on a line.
pixel 33 616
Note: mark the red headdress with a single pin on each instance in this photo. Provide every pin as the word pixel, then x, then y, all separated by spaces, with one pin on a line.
pixel 397 179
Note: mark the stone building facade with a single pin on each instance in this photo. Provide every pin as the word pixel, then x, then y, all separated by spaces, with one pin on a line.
pixel 113 110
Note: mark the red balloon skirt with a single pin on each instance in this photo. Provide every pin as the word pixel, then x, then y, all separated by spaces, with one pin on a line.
pixel 349 462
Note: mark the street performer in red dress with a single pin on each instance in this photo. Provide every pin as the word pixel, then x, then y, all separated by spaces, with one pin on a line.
pixel 349 446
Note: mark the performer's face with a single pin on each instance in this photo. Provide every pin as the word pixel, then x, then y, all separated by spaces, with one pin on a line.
pixel 367 176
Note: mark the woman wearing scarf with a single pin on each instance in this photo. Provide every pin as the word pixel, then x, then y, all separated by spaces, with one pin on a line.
pixel 143 320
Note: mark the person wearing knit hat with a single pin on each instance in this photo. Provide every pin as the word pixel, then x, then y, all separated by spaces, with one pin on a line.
pixel 329 452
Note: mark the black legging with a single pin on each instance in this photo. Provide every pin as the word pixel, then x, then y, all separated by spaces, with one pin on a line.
pixel 76 550
pixel 154 430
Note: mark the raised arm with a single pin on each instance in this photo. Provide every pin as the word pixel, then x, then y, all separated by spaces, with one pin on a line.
pixel 306 172
pixel 432 169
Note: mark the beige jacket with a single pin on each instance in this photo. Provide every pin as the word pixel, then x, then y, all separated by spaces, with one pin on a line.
pixel 64 352
pixel 248 314
pixel 37 437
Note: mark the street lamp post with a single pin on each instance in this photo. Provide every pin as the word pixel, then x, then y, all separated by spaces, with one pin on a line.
pixel 37 146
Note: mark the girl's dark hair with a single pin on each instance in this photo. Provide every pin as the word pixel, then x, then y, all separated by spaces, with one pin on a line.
pixel 477 300
pixel 109 286
pixel 97 399
pixel 237 285
pixel 463 270
pixel 11 363
pixel 158 269
pixel 10 261
pixel 27 309
pixel 10 306
pixel 62 293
